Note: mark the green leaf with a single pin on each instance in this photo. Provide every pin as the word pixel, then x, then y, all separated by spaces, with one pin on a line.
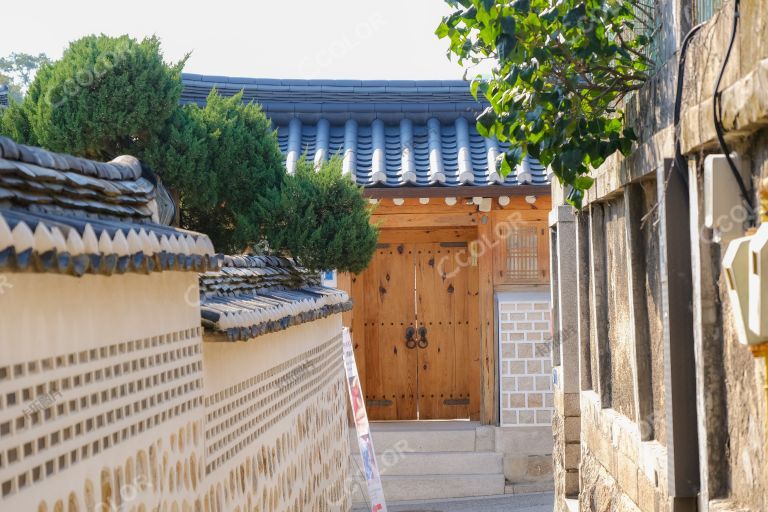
pixel 522 6
pixel 473 88
pixel 575 16
pixel 539 95
pixel 583 182
pixel 487 118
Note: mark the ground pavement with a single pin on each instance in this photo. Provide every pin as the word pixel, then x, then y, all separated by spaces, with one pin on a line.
pixel 542 502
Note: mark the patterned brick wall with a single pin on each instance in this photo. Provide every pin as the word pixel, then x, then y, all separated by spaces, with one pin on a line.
pixel 525 347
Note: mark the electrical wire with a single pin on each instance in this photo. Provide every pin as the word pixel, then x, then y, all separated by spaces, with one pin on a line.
pixel 717 113
pixel 679 162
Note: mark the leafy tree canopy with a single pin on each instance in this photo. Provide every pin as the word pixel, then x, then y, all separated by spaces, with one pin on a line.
pixel 218 159
pixel 106 96
pixel 321 218
pixel 110 96
pixel 17 71
pixel 561 70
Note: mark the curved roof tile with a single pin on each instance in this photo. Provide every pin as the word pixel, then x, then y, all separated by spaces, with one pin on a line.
pixel 437 156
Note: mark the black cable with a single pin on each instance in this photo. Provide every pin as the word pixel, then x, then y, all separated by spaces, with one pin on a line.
pixel 679 163
pixel 717 112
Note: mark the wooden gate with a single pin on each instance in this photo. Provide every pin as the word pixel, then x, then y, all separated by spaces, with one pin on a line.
pixel 421 332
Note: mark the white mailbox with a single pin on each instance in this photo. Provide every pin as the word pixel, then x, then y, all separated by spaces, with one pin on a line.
pixel 758 282
pixel 737 272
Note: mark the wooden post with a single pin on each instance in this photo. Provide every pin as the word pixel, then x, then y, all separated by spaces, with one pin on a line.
pixel 489 411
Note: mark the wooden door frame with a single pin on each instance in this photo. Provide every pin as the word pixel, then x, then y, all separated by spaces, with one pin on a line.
pixel 413 217
pixel 483 376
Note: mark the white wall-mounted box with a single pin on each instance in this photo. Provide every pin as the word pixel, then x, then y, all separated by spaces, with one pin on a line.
pixel 737 271
pixel 758 282
pixel 724 208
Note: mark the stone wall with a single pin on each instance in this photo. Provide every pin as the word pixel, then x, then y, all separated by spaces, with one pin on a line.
pixel 111 400
pixel 650 439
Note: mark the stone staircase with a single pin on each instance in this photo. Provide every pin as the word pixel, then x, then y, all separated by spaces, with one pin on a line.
pixel 433 460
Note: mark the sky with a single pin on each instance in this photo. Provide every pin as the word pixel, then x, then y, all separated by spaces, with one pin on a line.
pixel 362 39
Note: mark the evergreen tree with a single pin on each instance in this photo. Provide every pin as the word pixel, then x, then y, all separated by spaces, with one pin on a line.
pixel 321 219
pixel 219 160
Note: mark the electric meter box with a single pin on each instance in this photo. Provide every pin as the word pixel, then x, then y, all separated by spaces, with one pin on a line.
pixel 758 282
pixel 724 209
pixel 736 266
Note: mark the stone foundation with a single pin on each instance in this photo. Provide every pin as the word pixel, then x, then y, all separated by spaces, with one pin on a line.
pixel 618 472
pixel 566 431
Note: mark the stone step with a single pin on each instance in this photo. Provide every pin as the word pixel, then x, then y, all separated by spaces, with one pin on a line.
pixel 404 441
pixel 440 463
pixel 431 487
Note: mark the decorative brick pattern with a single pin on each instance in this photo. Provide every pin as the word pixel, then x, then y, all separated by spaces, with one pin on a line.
pixel 525 363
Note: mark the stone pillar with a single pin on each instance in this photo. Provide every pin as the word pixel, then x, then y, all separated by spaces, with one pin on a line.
pixel 566 423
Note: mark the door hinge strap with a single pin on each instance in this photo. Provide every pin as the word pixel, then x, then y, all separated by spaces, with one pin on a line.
pixel 378 403
pixel 456 401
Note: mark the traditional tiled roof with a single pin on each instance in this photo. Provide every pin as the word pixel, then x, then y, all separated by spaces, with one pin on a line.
pixel 255 295
pixel 60 213
pixel 3 95
pixel 390 133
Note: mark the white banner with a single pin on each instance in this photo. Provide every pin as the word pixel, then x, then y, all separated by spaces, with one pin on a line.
pixel 364 440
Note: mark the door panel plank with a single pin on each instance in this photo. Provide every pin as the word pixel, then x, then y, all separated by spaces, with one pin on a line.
pixel 390 366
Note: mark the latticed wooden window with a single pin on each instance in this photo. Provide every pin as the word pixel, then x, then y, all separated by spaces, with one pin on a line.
pixel 523 253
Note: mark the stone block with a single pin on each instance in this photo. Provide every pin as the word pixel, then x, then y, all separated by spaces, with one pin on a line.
pixel 533 367
pixel 515 468
pixel 627 476
pixel 519 441
pixel 526 417
pixel 517 400
pixel 572 429
pixel 535 400
pixel 572 455
pixel 509 417
pixel 485 438
pixel 516 367
pixel 508 350
pixel 525 383
pixel 647 497
pixel 571 478
pixel 539 467
pixel 525 350
pixel 509 384
pixel 543 416
pixel 432 487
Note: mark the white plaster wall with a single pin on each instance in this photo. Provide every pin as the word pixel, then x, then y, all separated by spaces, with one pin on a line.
pixel 113 367
pixel 111 400
pixel 279 404
pixel 42 315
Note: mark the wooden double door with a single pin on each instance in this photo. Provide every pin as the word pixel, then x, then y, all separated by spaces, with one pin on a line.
pixel 421 332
